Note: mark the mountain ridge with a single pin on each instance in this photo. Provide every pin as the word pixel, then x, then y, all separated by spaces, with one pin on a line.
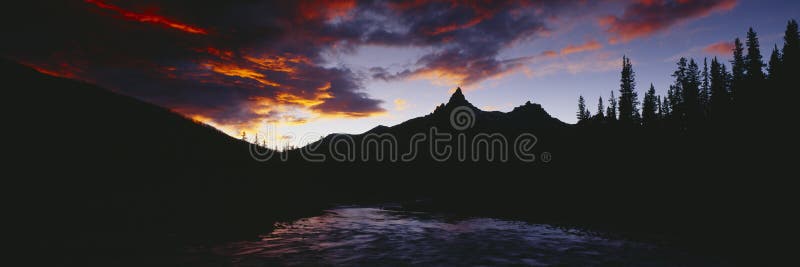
pixel 528 116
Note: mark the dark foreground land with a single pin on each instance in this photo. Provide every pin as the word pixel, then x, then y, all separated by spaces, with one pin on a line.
pixel 97 178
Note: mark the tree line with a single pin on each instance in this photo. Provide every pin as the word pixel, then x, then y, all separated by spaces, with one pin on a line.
pixel 707 95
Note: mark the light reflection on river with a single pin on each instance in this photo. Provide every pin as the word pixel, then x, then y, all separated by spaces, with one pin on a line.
pixel 375 237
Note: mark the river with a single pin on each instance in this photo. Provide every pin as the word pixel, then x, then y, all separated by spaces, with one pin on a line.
pixel 370 236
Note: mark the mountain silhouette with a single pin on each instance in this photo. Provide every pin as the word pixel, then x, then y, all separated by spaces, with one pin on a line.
pixel 75 119
pixel 527 118
pixel 90 164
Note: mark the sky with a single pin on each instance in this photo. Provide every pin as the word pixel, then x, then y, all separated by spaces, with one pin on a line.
pixel 293 71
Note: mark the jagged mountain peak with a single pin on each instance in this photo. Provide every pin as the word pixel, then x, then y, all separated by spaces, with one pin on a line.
pixel 458 99
pixel 457 96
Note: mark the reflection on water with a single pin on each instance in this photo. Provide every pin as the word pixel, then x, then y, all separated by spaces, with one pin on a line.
pixel 375 237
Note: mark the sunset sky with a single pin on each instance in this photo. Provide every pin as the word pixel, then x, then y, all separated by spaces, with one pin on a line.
pixel 310 68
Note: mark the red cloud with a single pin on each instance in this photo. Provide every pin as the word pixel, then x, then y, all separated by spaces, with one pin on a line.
pixel 151 18
pixel 327 9
pixel 588 46
pixel 647 17
pixel 549 53
pixel 719 48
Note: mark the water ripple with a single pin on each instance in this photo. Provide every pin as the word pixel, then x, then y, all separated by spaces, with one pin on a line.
pixel 358 236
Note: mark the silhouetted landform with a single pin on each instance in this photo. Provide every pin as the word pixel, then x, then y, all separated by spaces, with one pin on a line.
pixel 97 178
pixel 527 118
pixel 94 167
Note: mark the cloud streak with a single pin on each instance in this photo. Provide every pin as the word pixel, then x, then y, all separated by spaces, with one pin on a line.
pixel 719 48
pixel 644 18
pixel 148 18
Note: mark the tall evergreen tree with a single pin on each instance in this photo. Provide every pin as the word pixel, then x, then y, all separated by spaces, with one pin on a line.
pixel 774 67
pixel 705 88
pixel 791 48
pixel 719 101
pixel 755 64
pixel 685 92
pixel 727 81
pixel 628 99
pixel 582 113
pixel 611 110
pixel 737 69
pixel 659 108
pixel 666 108
pixel 649 107
pixel 786 81
pixel 691 93
pixel 754 79
pixel 600 108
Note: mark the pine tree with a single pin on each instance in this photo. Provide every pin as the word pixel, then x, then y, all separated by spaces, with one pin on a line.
pixel 582 113
pixel 719 101
pixel 727 81
pixel 737 69
pixel 628 100
pixel 791 48
pixel 786 81
pixel 659 108
pixel 600 108
pixel 691 92
pixel 774 67
pixel 705 88
pixel 666 108
pixel 753 60
pixel 675 100
pixel 611 111
pixel 749 99
pixel 649 106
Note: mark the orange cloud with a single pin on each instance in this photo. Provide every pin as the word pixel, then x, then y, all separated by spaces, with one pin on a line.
pixel 320 95
pixel 588 46
pixel 719 48
pixel 278 63
pixel 149 18
pixel 549 53
pixel 236 71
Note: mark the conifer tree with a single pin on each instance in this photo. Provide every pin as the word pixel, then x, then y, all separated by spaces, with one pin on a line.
pixel 749 98
pixel 791 49
pixel 628 100
pixel 705 88
pixel 691 92
pixel 755 65
pixel 659 108
pixel 774 67
pixel 649 107
pixel 737 69
pixel 600 108
pixel 720 99
pixel 582 113
pixel 611 111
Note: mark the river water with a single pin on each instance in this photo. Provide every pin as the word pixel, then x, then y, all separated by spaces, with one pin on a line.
pixel 366 236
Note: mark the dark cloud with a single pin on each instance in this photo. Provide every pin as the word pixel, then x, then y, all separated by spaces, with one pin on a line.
pixel 465 38
pixel 242 62
pixel 646 17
